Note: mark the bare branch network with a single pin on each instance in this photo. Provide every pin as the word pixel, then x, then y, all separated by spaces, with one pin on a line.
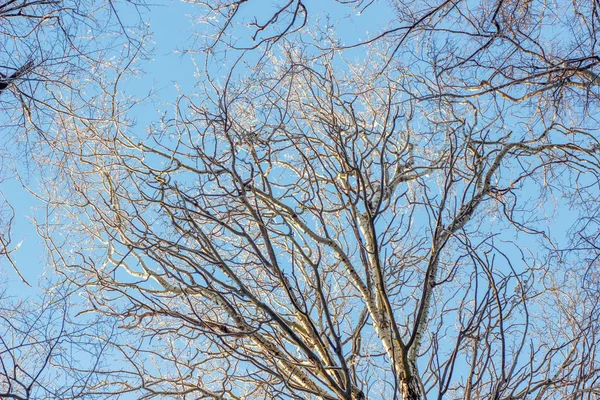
pixel 352 200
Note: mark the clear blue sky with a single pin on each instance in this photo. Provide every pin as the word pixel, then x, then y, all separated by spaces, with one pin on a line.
pixel 171 23
pixel 169 68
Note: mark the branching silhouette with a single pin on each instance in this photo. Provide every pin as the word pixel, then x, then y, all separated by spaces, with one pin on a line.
pixel 5 80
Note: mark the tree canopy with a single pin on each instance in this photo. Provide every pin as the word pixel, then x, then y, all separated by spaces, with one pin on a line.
pixel 352 200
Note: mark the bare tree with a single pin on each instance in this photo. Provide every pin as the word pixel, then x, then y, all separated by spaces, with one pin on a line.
pixel 45 354
pixel 346 218
pixel 52 53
